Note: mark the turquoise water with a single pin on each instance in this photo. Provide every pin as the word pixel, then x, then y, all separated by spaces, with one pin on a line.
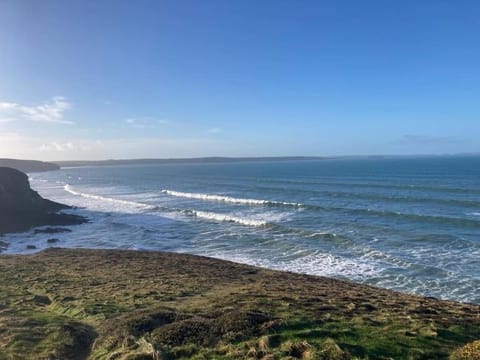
pixel 407 224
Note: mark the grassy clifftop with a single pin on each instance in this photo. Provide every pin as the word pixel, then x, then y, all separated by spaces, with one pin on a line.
pixel 106 304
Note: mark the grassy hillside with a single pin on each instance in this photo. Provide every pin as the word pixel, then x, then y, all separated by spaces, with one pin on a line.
pixel 109 304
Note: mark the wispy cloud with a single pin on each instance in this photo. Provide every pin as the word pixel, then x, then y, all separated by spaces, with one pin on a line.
pixel 7 105
pixel 78 145
pixel 136 123
pixel 131 121
pixel 410 139
pixel 145 122
pixel 55 146
pixel 19 145
pixel 48 112
pixel 214 131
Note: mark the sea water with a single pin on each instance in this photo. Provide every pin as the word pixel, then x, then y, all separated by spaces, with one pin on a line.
pixel 409 224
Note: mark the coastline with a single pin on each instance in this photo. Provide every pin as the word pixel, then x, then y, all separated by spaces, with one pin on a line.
pixel 78 304
pixel 22 208
pixel 386 230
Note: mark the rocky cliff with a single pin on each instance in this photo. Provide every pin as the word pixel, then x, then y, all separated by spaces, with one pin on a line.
pixel 21 208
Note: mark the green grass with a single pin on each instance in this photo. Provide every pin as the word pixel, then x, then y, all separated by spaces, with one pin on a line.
pixel 79 304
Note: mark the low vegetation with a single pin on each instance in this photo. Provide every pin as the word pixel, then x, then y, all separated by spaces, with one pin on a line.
pixel 108 304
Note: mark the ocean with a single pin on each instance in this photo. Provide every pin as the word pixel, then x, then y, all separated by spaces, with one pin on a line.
pixel 409 224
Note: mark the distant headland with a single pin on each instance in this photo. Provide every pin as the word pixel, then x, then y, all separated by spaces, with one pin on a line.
pixel 22 208
pixel 200 160
pixel 28 165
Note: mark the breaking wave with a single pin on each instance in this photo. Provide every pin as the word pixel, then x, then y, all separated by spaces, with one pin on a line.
pixel 228 199
pixel 127 203
pixel 227 218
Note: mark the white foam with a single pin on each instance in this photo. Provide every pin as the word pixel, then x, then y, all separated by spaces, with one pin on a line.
pixel 321 233
pixel 32 179
pixel 331 265
pixel 127 203
pixel 227 199
pixel 228 218
pixel 474 213
pixel 317 263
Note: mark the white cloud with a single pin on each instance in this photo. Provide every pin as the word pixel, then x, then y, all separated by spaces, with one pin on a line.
pixel 55 146
pixel 49 112
pixel 7 105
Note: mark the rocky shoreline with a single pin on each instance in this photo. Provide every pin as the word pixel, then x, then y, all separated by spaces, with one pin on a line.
pixel 22 208
pixel 113 304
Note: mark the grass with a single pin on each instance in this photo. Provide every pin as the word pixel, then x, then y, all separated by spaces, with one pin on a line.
pixel 106 304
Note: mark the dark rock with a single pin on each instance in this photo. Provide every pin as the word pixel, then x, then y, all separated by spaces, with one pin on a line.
pixel 16 194
pixel 52 241
pixel 31 247
pixel 21 208
pixel 51 230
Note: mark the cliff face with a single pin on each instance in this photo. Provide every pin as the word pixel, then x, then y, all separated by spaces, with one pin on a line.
pixel 21 208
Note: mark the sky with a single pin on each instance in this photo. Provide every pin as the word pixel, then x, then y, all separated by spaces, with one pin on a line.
pixel 125 79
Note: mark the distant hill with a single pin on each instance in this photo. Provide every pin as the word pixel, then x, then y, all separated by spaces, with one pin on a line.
pixel 184 160
pixel 28 165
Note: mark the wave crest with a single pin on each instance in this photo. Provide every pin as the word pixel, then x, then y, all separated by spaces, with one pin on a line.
pixel 128 203
pixel 227 199
pixel 228 218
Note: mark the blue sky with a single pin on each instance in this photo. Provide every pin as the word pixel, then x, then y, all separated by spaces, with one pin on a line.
pixel 126 79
